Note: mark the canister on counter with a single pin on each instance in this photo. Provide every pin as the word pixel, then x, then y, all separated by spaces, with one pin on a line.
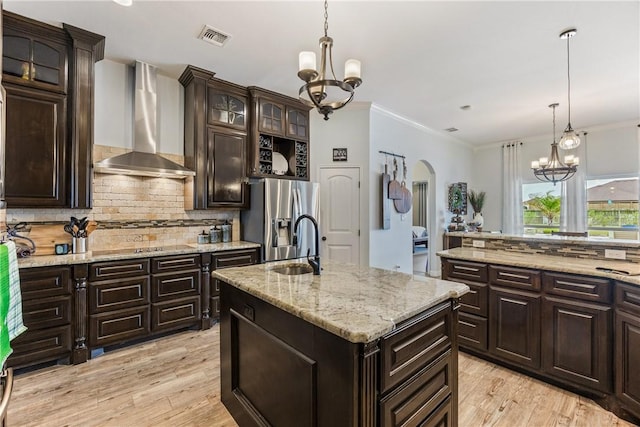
pixel 215 234
pixel 226 232
pixel 203 238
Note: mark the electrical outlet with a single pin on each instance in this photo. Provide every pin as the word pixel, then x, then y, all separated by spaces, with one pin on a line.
pixel 615 254
pixel 478 243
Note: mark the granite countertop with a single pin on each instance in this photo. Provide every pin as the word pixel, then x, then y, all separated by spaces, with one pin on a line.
pixel 359 304
pixel 119 254
pixel 548 262
pixel 597 241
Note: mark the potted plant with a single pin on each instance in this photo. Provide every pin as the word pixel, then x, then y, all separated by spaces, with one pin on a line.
pixel 476 200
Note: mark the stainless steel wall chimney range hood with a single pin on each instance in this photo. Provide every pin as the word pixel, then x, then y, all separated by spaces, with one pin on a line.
pixel 143 160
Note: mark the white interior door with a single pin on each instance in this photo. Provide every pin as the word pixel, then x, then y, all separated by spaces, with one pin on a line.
pixel 340 213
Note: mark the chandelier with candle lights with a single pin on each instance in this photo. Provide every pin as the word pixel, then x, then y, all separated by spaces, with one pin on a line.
pixel 552 169
pixel 322 92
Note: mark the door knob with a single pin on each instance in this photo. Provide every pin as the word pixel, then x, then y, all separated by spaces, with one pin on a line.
pixel 324 238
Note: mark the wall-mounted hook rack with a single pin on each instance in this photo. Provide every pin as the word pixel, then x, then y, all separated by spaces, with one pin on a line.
pixel 391 154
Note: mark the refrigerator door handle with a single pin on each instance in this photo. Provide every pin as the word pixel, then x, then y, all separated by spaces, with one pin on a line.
pixel 297 211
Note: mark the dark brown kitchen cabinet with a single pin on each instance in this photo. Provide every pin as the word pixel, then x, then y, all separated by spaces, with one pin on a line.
pixel 119 297
pixel 36 174
pixel 557 326
pixel 237 258
pixel 627 348
pixel 474 305
pixel 577 342
pixel 514 323
pixel 175 292
pixel 226 185
pixel 33 60
pixel 47 313
pixel 279 129
pixel 226 105
pixel 48 73
pixel 215 141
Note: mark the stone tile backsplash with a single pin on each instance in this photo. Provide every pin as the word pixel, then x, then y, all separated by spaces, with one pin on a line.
pixel 130 211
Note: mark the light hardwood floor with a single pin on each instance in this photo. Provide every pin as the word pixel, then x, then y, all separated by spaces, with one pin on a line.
pixel 175 381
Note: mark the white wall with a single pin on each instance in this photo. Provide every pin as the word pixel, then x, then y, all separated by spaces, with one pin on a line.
pixel 114 88
pixel 451 162
pixel 365 130
pixel 612 150
pixel 347 128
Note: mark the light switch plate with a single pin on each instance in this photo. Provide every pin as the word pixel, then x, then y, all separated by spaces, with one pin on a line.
pixel 478 243
pixel 615 254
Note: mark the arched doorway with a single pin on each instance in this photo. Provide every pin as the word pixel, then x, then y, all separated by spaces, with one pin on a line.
pixel 423 217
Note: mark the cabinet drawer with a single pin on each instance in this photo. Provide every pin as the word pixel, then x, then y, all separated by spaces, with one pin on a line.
pixel 117 326
pixel 40 346
pixel 235 258
pixel 175 285
pixel 472 331
pixel 172 263
pixel 414 402
pixel 473 271
pixel 628 297
pixel 579 287
pixel 118 294
pixel 113 269
pixel 36 283
pixel 413 345
pixel 46 312
pixel 476 301
pixel 175 314
pixel 520 278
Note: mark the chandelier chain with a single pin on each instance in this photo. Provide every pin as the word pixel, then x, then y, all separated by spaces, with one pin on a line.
pixel 326 17
pixel 568 82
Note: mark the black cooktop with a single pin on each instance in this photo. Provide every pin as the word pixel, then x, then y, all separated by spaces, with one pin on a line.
pixel 148 250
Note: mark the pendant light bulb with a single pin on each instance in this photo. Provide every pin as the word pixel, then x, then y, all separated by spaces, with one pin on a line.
pixel 570 138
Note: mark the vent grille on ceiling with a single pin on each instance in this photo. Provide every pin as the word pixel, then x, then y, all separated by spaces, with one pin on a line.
pixel 213 36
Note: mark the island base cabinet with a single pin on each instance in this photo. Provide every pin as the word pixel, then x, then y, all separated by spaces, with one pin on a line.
pixel 576 342
pixel 279 370
pixel 627 361
pixel 416 402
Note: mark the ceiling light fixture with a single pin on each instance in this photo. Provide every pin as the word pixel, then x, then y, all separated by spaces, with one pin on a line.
pixel 570 137
pixel 124 2
pixel 321 92
pixel 551 169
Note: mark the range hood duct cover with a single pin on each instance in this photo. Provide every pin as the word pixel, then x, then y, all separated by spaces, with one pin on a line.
pixel 143 160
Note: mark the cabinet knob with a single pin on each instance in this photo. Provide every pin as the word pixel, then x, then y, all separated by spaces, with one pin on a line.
pixel 324 238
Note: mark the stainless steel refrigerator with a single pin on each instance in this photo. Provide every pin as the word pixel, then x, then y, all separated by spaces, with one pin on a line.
pixel 275 206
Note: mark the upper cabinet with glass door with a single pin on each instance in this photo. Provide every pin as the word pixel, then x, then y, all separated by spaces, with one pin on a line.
pixel 34 61
pixel 226 105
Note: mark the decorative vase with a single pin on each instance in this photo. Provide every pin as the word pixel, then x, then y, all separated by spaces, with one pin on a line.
pixel 477 219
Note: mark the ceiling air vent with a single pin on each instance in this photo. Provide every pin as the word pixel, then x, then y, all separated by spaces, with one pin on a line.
pixel 213 36
pixel 451 129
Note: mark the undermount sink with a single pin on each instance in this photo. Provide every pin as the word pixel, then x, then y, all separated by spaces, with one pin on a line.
pixel 293 269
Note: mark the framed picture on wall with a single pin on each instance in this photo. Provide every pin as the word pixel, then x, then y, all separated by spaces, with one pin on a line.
pixel 339 154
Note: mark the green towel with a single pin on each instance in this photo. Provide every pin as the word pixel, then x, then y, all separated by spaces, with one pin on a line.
pixel 5 296
pixel 11 323
pixel 14 316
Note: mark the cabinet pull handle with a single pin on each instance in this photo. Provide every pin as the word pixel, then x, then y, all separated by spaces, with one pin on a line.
pixel 514 276
pixel 460 267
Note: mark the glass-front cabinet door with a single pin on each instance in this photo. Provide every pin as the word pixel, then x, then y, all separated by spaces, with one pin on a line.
pixel 31 61
pixel 297 124
pixel 271 117
pixel 226 108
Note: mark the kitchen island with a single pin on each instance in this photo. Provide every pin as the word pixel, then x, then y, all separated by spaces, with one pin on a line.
pixel 355 346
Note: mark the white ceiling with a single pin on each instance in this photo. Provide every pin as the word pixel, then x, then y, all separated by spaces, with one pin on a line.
pixel 420 59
